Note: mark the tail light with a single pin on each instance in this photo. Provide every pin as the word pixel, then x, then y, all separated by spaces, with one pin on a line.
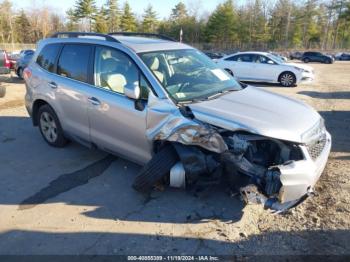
pixel 7 62
pixel 27 73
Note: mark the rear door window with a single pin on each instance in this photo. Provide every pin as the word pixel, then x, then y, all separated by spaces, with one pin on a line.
pixel 245 58
pixel 232 58
pixel 74 62
pixel 47 57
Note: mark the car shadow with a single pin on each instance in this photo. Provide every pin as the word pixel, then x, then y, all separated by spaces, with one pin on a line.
pixel 338 125
pixel 104 182
pixel 265 246
pixel 264 84
pixel 326 95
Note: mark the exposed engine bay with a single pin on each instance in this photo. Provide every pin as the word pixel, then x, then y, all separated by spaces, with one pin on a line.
pixel 251 160
pixel 265 170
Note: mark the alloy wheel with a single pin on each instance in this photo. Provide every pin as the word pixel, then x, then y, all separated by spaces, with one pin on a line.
pixel 48 127
pixel 287 79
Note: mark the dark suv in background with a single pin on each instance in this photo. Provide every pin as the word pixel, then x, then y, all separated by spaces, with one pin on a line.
pixel 317 57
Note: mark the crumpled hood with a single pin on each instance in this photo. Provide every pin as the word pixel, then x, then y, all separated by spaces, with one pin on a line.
pixel 305 67
pixel 259 111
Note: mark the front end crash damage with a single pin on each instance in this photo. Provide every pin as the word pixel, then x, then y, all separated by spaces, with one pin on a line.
pixel 278 174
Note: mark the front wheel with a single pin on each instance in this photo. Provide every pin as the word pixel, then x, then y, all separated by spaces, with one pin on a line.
pixel 50 127
pixel 306 60
pixel 156 169
pixel 287 79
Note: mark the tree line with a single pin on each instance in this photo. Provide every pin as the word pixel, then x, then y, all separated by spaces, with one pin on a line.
pixel 259 24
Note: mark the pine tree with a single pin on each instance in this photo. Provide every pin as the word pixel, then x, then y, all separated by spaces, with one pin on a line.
pixel 71 20
pixel 100 25
pixel 128 20
pixel 150 22
pixel 85 9
pixel 179 12
pixel 222 24
pixel 23 28
pixel 113 15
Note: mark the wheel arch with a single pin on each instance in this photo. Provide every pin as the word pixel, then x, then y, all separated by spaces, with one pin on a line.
pixel 36 105
pixel 287 71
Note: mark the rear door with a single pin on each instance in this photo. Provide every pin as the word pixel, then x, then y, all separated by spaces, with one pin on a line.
pixel 71 85
pixel 118 123
pixel 241 65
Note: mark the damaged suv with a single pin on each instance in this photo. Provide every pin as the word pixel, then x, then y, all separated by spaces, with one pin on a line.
pixel 167 106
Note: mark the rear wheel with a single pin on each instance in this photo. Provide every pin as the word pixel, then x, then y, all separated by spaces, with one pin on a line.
pixel 50 127
pixel 20 72
pixel 287 79
pixel 156 169
pixel 306 60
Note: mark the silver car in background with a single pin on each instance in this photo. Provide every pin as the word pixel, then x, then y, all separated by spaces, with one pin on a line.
pixel 167 106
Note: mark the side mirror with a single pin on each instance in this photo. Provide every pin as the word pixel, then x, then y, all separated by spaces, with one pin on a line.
pixel 132 91
pixel 270 62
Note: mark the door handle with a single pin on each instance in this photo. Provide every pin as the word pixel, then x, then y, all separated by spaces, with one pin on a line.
pixel 94 101
pixel 53 85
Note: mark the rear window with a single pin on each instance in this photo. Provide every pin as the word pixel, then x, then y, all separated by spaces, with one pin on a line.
pixel 46 58
pixel 73 62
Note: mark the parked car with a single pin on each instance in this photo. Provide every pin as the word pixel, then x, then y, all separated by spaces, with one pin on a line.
pixel 13 57
pixel 295 55
pixel 343 57
pixel 5 64
pixel 317 57
pixel 213 55
pixel 23 62
pixel 169 107
pixel 265 67
pixel 285 59
pixel 4 69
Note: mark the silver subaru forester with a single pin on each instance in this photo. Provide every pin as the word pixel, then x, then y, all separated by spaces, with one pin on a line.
pixel 167 106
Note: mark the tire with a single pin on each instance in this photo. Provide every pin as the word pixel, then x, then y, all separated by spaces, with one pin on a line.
pixel 156 169
pixel 2 91
pixel 306 60
pixel 20 72
pixel 287 79
pixel 50 127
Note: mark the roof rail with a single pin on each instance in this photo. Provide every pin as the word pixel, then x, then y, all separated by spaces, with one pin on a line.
pixel 77 34
pixel 144 34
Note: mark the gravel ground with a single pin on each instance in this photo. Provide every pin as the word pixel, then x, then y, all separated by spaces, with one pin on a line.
pixel 78 201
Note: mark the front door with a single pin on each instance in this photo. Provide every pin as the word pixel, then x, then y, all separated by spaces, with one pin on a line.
pixel 116 123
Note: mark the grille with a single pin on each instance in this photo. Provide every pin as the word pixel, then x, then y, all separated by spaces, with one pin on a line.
pixel 315 149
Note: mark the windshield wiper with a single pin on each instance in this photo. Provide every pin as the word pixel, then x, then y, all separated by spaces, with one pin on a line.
pixel 219 94
pixel 194 100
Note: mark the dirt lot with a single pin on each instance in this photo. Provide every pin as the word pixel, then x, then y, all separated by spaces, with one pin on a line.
pixel 79 201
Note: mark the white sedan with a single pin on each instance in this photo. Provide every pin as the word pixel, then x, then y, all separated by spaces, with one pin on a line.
pixel 265 67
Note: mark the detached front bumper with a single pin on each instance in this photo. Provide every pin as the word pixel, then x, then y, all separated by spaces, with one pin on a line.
pixel 298 178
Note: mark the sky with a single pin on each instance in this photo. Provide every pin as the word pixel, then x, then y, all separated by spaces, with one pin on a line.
pixel 163 7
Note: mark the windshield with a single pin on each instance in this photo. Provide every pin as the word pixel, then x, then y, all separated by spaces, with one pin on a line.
pixel 276 58
pixel 189 75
